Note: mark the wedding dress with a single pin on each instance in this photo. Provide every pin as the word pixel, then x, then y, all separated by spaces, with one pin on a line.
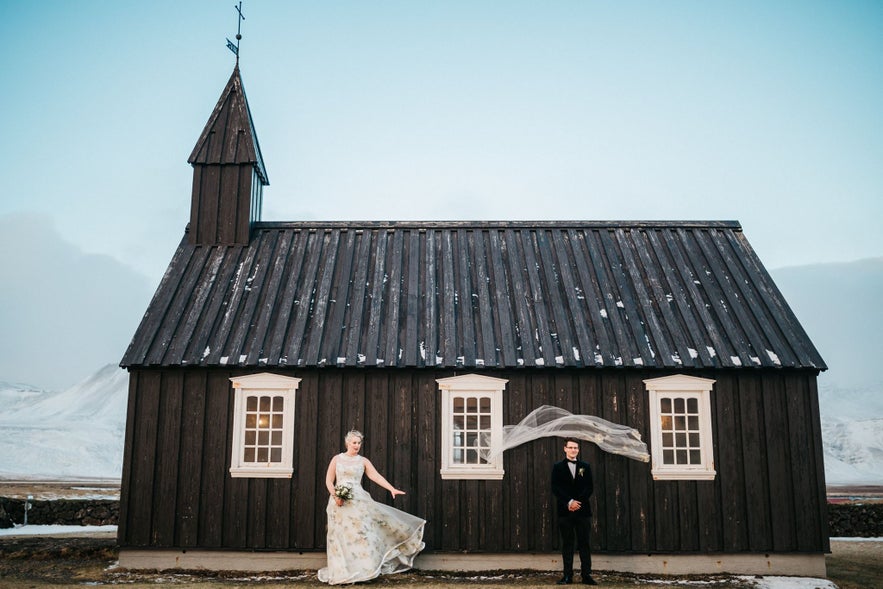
pixel 366 538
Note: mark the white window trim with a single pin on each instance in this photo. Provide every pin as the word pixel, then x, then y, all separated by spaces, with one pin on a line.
pixel 688 387
pixel 464 385
pixel 243 386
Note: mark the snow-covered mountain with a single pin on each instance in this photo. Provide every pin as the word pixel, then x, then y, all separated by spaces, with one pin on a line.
pixel 839 306
pixel 73 434
pixel 852 434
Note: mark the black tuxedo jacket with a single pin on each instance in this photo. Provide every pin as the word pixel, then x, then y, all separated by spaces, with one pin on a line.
pixel 566 487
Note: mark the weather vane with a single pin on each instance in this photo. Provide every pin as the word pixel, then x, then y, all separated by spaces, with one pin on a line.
pixel 234 47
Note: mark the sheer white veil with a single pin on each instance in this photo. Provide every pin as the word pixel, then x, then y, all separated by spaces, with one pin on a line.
pixel 548 421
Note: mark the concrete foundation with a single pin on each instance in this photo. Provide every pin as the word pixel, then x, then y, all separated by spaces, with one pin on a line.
pixel 793 564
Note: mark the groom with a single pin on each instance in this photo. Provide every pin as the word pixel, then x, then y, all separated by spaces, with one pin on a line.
pixel 572 487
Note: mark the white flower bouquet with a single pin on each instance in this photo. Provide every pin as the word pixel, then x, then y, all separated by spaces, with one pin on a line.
pixel 343 492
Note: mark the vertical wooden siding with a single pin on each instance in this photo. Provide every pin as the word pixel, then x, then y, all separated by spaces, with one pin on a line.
pixel 768 494
pixel 220 204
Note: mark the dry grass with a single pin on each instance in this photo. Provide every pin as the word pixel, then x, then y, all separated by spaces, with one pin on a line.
pixel 856 564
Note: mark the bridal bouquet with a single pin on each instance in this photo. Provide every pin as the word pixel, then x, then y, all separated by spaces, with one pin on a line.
pixel 343 492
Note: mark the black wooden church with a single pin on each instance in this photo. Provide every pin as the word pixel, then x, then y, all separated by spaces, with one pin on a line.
pixel 266 341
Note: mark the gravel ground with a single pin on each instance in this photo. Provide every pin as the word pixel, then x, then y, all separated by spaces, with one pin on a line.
pixel 39 562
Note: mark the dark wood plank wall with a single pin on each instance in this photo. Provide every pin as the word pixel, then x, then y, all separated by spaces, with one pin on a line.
pixel 768 494
pixel 220 203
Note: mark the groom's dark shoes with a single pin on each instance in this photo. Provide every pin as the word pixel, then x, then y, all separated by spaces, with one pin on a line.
pixel 565 580
pixel 588 580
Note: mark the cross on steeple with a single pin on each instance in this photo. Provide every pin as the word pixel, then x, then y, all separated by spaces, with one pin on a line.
pixel 230 45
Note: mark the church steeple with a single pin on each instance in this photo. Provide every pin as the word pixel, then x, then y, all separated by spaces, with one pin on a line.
pixel 228 172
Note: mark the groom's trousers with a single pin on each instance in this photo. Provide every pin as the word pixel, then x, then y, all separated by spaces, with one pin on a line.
pixel 575 527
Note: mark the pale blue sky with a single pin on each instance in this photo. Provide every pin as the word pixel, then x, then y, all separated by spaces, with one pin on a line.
pixel 764 112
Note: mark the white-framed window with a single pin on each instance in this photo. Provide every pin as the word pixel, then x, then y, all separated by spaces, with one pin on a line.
pixel 472 422
pixel 263 426
pixel 682 445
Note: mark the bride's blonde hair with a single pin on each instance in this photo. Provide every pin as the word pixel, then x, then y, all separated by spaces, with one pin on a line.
pixel 353 433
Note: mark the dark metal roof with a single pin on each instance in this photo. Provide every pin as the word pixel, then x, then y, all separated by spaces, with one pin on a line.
pixel 229 136
pixel 672 295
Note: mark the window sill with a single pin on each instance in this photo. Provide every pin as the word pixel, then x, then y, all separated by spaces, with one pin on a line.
pixel 261 473
pixel 472 474
pixel 683 475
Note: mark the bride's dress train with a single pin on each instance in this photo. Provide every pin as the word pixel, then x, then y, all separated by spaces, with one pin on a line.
pixel 365 538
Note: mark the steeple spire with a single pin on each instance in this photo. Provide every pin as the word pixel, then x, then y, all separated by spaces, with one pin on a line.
pixel 228 172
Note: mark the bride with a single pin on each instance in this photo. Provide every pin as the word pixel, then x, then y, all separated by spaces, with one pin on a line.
pixel 365 538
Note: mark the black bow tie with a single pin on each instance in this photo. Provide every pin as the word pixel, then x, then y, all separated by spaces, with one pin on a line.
pixel 572 461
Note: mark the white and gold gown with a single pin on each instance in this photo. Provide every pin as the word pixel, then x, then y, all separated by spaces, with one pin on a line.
pixel 367 539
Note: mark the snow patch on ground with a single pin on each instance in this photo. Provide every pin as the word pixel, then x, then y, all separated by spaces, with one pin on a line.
pixel 856 539
pixel 789 583
pixel 57 530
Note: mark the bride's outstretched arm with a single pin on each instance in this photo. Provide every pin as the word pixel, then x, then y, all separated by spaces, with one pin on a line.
pixel 378 478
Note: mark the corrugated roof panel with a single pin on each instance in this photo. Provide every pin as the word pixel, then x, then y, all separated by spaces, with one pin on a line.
pixel 632 294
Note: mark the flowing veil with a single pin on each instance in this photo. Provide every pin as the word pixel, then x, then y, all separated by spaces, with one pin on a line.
pixel 548 421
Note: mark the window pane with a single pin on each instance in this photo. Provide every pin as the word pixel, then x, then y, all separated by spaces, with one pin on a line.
pixel 470 421
pixel 264 435
pixel 683 432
